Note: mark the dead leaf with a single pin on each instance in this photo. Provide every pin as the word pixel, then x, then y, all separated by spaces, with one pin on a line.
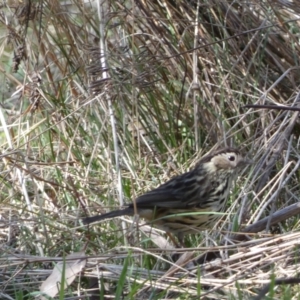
pixel 71 266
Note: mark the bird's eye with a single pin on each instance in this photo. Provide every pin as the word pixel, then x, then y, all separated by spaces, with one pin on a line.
pixel 231 157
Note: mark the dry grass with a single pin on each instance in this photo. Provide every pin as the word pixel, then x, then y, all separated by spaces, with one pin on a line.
pixel 95 113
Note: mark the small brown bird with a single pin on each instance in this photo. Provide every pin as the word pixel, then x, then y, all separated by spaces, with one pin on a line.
pixel 190 202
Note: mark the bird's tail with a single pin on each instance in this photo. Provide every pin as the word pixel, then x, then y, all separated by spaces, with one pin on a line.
pixel 116 213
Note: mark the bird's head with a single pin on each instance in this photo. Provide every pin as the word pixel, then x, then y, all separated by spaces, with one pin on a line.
pixel 229 159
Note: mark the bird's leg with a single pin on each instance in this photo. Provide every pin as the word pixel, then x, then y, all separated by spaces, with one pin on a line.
pixel 178 244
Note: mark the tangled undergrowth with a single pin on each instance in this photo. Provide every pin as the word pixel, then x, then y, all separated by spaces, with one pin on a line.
pixel 101 103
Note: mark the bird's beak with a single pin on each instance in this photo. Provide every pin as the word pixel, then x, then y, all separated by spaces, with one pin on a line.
pixel 245 162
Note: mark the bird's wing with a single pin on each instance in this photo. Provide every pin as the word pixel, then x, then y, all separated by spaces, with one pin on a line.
pixel 180 192
pixel 160 198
